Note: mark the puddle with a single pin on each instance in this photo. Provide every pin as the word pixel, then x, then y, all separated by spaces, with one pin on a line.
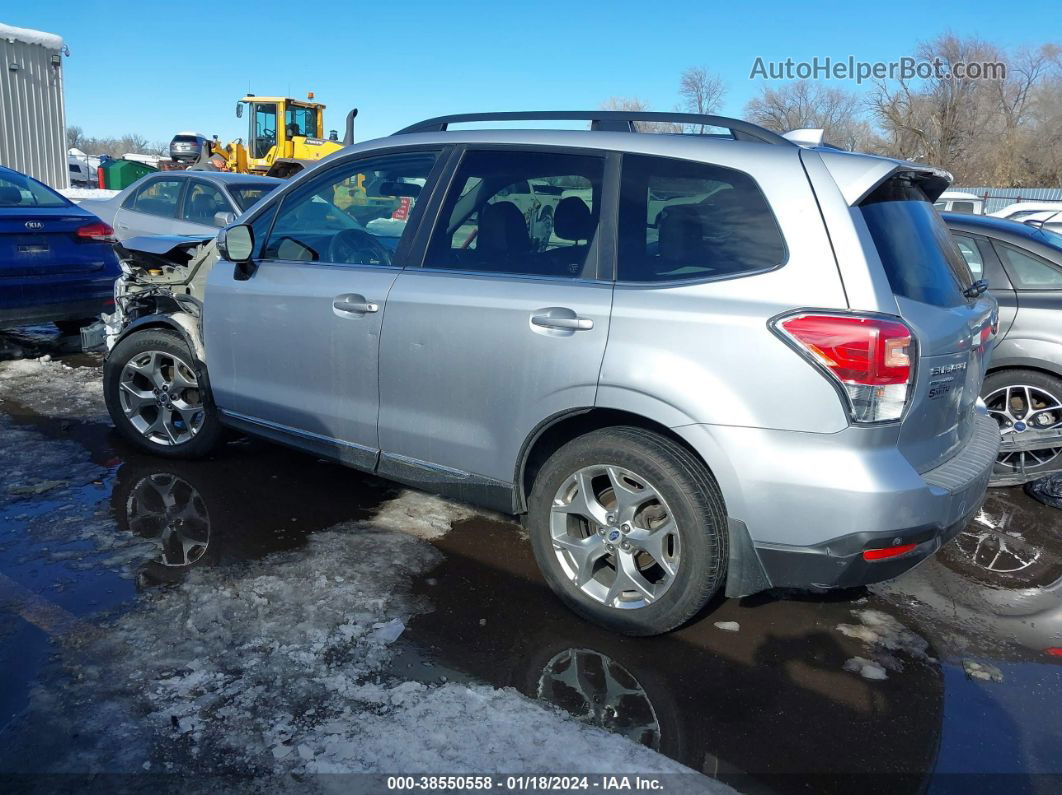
pixel 107 557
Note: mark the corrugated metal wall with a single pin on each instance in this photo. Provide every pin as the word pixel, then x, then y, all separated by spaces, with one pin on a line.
pixel 32 115
pixel 998 198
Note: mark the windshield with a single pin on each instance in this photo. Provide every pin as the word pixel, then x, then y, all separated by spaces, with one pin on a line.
pixel 246 195
pixel 17 190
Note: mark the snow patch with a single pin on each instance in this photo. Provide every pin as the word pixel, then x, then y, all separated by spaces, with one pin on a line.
pixel 79 194
pixel 728 626
pixel 53 388
pixel 868 669
pixel 47 40
pixel 422 515
pixel 885 637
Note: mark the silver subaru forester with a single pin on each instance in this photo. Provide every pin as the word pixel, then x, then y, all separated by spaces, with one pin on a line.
pixel 694 362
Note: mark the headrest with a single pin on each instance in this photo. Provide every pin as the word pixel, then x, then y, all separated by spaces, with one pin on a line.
pixel 502 229
pixel 9 195
pixel 572 219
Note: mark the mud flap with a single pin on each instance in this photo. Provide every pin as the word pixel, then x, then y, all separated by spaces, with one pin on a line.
pixel 745 574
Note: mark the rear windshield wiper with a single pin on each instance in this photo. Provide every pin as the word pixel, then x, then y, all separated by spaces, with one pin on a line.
pixel 977 289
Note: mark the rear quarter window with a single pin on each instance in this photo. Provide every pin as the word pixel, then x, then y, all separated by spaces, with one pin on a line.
pixel 681 220
pixel 917 251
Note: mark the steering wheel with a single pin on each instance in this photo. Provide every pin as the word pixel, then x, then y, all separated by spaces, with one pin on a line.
pixel 355 247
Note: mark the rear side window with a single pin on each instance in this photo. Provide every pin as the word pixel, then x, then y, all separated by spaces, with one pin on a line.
pixel 17 190
pixel 920 257
pixel 1028 271
pixel 685 220
pixel 522 212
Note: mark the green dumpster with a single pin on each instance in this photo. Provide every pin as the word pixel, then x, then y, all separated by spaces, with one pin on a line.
pixel 118 174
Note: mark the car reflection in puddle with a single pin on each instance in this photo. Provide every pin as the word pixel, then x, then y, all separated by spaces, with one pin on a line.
pixel 254 499
pixel 997 588
pixel 598 690
pixel 170 511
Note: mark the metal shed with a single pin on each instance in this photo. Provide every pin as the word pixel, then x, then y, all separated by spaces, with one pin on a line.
pixel 32 113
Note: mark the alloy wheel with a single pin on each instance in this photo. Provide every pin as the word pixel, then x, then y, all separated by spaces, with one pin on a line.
pixel 1022 407
pixel 160 396
pixel 615 537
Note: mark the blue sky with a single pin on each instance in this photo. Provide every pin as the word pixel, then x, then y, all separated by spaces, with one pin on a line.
pixel 138 67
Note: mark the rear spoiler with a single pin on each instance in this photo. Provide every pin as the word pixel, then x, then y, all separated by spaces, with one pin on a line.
pixel 857 175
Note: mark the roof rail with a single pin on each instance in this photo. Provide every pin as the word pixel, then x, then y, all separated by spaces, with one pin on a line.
pixel 607 120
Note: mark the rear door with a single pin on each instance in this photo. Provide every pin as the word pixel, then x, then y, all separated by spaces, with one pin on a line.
pixel 294 347
pixel 502 327
pixel 928 277
pixel 202 200
pixel 984 264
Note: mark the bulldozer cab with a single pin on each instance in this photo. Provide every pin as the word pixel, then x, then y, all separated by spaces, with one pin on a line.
pixel 274 123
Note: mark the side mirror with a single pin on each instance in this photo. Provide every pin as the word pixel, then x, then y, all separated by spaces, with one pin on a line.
pixel 239 110
pixel 223 219
pixel 236 243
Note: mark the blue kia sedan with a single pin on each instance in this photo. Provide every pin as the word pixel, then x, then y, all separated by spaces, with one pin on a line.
pixel 56 259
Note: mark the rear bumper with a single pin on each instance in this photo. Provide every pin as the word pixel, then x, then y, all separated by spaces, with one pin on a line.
pixel 804 507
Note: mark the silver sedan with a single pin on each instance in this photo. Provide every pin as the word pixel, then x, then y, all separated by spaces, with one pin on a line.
pixel 181 202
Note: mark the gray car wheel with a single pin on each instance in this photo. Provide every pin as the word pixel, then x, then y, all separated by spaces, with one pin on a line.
pixel 156 396
pixel 629 530
pixel 1021 401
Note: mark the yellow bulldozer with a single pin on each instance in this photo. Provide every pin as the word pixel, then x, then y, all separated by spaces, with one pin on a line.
pixel 284 136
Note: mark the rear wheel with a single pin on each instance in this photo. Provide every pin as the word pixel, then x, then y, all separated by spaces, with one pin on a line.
pixel 629 530
pixel 1021 401
pixel 155 397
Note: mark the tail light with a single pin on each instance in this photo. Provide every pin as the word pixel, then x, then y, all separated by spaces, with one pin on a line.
pixel 869 357
pixel 98 232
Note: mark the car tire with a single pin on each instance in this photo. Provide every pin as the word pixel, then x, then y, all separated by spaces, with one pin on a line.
pixel 640 580
pixel 140 376
pixel 1046 391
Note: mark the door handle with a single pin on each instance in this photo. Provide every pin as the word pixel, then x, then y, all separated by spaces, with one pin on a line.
pixel 569 323
pixel 352 302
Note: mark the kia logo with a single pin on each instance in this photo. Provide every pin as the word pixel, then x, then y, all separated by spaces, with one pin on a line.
pixel 34 225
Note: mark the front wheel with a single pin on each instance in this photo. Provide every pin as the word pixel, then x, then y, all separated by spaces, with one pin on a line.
pixel 155 396
pixel 629 530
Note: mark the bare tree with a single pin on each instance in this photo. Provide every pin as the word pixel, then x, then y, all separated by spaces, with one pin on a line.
pixel 75 137
pixel 638 105
pixel 804 104
pixel 943 119
pixel 702 92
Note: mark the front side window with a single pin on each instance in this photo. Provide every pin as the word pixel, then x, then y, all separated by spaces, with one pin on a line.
pixel 684 220
pixel 521 212
pixel 263 128
pixel 968 248
pixel 1028 271
pixel 354 214
pixel 203 202
pixel 158 197
pixel 962 207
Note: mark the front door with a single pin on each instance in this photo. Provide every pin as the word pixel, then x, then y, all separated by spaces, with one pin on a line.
pixel 294 348
pixel 500 328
